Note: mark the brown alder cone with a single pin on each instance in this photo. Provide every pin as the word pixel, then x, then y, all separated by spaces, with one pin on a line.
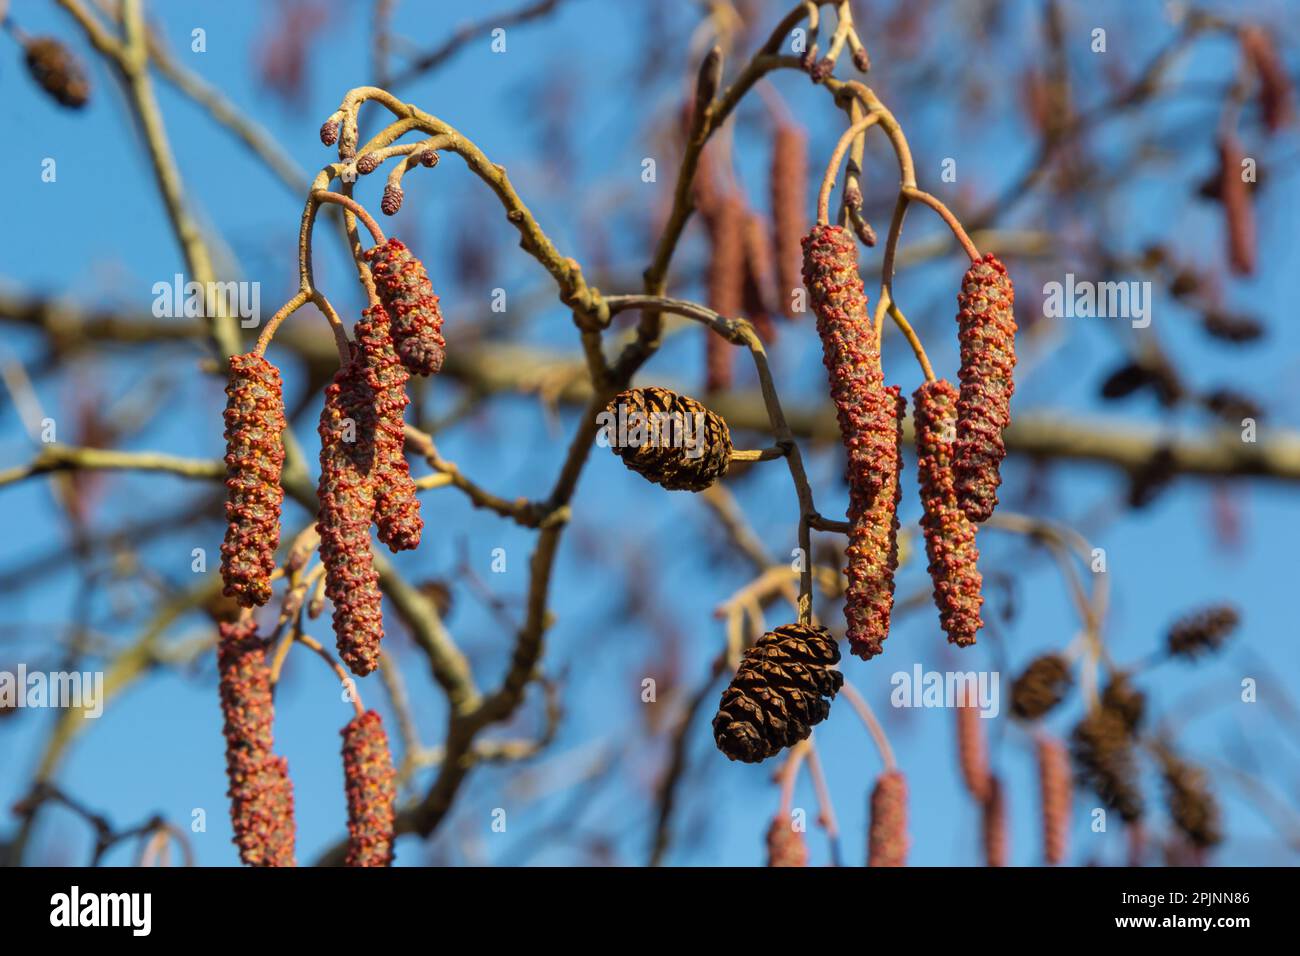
pixel 347 504
pixel 397 509
pixel 986 330
pixel 726 223
pixel 261 794
pixel 779 692
pixel 58 71
pixel 887 841
pixel 1122 697
pixel 407 294
pixel 789 188
pixel 655 454
pixel 1202 632
pixel 972 755
pixel 994 825
pixel 372 789
pixel 785 845
pixel 949 534
pixel 1056 791
pixel 870 417
pixel 1102 747
pixel 1040 687
pixel 1238 208
pixel 255 423
pixel 1191 805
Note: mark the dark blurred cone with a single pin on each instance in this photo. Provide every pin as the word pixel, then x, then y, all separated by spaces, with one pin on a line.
pixel 58 71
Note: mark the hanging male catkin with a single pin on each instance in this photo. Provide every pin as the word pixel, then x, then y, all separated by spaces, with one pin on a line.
pixel 254 458
pixel 972 754
pixel 871 425
pixel 397 509
pixel 261 794
pixel 887 829
pixel 371 788
pixel 785 844
pixel 986 331
pixel 949 534
pixel 407 294
pixel 789 189
pixel 347 504
pixel 1056 792
pixel 994 824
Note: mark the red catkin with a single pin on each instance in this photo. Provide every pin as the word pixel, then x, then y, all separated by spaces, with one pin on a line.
pixel 785 844
pixel 986 330
pixel 347 503
pixel 972 756
pixel 887 841
pixel 1238 211
pixel 371 788
pixel 397 509
pixel 994 828
pixel 261 794
pixel 949 534
pixel 407 294
pixel 871 425
pixel 789 188
pixel 1056 790
pixel 726 223
pixel 1275 93
pixel 254 458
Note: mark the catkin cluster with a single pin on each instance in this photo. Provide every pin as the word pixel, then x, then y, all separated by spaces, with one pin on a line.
pixel 871 420
pixel 261 794
pixel 407 294
pixel 986 330
pixel 371 789
pixel 254 458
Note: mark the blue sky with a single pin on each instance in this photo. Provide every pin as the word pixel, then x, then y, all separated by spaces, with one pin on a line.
pixel 99 236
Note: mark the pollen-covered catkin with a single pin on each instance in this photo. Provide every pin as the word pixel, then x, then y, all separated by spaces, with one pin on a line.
pixel 949 534
pixel 254 458
pixel 261 794
pixel 397 509
pixel 986 330
pixel 789 187
pixel 407 294
pixel 347 503
pixel 870 417
pixel 887 841
pixel 371 787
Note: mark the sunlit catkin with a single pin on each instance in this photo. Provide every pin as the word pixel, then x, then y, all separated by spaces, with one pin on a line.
pixel 371 789
pixel 407 294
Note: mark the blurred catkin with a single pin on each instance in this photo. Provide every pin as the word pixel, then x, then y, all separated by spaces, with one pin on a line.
pixel 397 509
pixel 1238 209
pixel 993 827
pixel 1055 789
pixel 347 504
pixel 986 330
pixel 668 438
pixel 785 844
pixel 760 277
pixel 870 419
pixel 789 188
pixel 972 754
pixel 949 534
pixel 1275 96
pixel 1040 687
pixel 371 789
pixel 725 218
pixel 887 841
pixel 407 294
pixel 779 693
pixel 261 794
pixel 255 422
pixel 58 71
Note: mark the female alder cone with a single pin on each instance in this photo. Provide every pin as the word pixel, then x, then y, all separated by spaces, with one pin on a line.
pixel 261 794
pixel 54 67
pixel 986 329
pixel 1041 687
pixel 1055 789
pixel 370 780
pixel 949 534
pixel 887 831
pixel 785 844
pixel 871 424
pixel 667 438
pixel 789 184
pixel 397 509
pixel 1203 632
pixel 347 454
pixel 1103 752
pixel 1191 805
pixel 254 456
pixel 777 695
pixel 407 295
